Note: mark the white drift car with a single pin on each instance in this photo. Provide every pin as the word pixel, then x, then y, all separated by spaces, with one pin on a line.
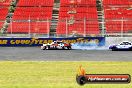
pixel 121 46
pixel 56 45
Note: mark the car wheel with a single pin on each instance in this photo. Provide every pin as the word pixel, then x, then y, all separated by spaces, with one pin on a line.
pixel 47 47
pixel 81 80
pixel 63 47
pixel 69 48
pixel 44 48
pixel 114 49
pixel 130 49
pixel 55 47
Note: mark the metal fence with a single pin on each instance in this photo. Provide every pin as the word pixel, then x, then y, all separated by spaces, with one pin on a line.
pixel 67 28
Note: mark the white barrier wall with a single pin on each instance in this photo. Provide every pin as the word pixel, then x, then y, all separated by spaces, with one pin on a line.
pixel 116 40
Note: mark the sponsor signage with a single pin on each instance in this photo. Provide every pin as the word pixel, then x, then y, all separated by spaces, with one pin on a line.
pixel 100 41
pixel 103 78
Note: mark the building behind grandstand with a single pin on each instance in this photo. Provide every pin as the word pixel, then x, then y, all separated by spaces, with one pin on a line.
pixel 65 18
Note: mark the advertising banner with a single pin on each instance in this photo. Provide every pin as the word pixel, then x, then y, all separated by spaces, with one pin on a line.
pixel 27 42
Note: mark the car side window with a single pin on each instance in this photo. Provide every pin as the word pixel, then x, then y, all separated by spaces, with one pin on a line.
pixel 125 43
pixel 128 43
pixel 122 43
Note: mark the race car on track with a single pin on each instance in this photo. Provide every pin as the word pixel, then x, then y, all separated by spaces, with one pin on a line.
pixel 56 45
pixel 122 46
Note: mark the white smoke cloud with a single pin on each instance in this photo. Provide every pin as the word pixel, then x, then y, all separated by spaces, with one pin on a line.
pixel 88 46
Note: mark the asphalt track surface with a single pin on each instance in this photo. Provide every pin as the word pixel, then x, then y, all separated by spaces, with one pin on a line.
pixel 36 54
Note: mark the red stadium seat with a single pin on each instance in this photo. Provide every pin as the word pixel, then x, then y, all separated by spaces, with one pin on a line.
pixel 35 3
pixel 37 11
pixel 117 10
pixel 81 11
pixel 117 27
pixel 1 24
pixel 118 13
pixel 32 13
pixel 4 11
pixel 5 2
pixel 61 28
pixel 33 27
pixel 92 27
pixel 115 2
pixel 80 2
pixel 127 25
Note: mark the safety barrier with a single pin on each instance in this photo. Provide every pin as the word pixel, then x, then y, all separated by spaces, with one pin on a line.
pixel 27 42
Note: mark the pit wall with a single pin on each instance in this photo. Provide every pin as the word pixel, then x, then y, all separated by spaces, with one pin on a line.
pixel 116 40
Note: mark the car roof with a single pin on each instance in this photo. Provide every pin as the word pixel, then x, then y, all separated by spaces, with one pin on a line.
pixel 125 42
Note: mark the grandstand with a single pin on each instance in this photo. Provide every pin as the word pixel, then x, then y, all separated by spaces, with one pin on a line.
pixel 117 11
pixel 66 18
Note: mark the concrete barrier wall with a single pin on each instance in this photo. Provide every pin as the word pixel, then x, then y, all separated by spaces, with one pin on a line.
pixel 116 40
pixel 107 41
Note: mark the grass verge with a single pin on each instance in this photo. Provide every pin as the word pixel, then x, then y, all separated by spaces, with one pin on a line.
pixel 37 74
